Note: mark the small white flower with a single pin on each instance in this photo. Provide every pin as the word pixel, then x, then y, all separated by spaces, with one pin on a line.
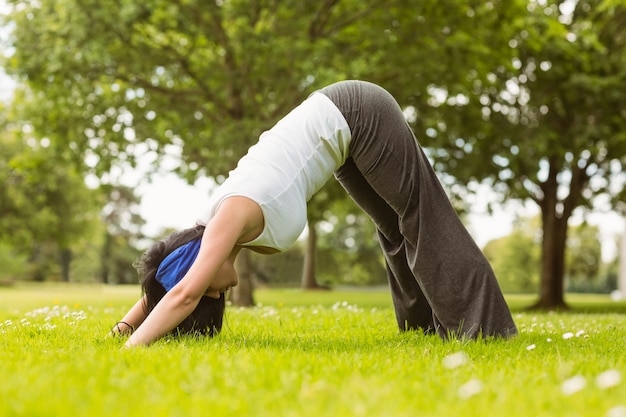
pixel 580 333
pixel 619 411
pixel 531 347
pixel 454 360
pixel 608 379
pixel 573 385
pixel 548 340
pixel 470 388
pixel 568 335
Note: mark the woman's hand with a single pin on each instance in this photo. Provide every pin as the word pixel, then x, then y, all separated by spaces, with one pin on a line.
pixel 133 319
pixel 122 328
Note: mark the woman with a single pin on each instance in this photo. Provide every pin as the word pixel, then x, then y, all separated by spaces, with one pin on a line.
pixel 440 280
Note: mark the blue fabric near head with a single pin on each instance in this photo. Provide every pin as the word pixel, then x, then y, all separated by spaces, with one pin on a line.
pixel 175 265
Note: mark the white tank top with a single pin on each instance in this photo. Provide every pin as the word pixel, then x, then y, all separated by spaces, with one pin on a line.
pixel 283 170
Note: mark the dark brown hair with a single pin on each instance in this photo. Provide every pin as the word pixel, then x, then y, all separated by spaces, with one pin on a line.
pixel 208 316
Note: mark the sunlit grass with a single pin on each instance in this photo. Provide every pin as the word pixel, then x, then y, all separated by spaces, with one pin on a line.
pixel 300 353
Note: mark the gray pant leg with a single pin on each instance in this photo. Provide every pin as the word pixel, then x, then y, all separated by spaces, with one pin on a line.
pixel 455 277
pixel 412 309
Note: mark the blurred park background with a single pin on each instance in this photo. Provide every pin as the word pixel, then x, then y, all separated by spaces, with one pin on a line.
pixel 118 117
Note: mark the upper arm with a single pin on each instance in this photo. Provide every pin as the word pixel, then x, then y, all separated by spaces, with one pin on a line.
pixel 238 219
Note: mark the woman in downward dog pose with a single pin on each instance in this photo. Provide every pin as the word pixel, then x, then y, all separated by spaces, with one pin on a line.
pixel 439 279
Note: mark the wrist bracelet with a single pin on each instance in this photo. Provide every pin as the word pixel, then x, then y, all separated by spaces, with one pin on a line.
pixel 119 331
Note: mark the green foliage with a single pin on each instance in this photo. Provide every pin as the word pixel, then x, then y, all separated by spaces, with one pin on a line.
pixel 46 206
pixel 349 256
pixel 585 270
pixel 609 274
pixel 349 252
pixel 521 95
pixel 193 73
pixel 113 80
pixel 516 257
pixel 547 122
pixel 86 266
pixel 13 263
pixel 122 235
pixel 585 252
pixel 554 107
pixel 50 219
pixel 304 354
pixel 116 78
pixel 282 269
pixel 45 196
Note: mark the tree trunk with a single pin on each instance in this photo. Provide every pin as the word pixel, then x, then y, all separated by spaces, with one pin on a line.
pixel 34 262
pixel 242 294
pixel 309 281
pixel 66 260
pixel 554 216
pixel 552 262
pixel 621 283
pixel 105 258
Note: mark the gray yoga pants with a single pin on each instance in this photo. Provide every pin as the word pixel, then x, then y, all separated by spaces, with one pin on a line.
pixel 440 280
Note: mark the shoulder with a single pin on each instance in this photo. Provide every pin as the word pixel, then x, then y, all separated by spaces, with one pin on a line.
pixel 241 213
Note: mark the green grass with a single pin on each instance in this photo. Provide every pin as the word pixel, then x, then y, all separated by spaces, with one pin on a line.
pixel 304 354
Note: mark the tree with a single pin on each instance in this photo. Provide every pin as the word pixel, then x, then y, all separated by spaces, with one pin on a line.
pixel 516 258
pixel 115 79
pixel 46 206
pixel 584 257
pixel 622 265
pixel 585 252
pixel 349 248
pixel 122 234
pixel 547 126
pixel 317 212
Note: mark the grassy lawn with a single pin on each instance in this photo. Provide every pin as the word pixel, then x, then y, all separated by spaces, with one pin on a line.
pixel 332 353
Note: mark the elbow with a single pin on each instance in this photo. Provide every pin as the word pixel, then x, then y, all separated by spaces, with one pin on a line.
pixel 186 300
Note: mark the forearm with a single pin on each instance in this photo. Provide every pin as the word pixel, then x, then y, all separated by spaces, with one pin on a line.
pixel 171 310
pixel 131 320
